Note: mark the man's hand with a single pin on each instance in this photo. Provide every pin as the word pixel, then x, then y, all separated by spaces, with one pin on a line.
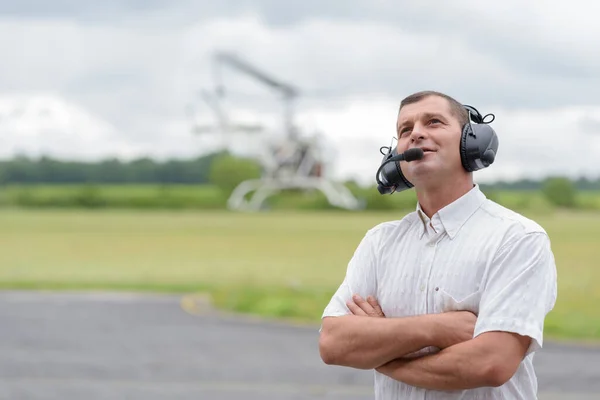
pixel 454 327
pixel 366 308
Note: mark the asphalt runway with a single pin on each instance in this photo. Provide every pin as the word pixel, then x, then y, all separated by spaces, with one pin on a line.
pixel 130 346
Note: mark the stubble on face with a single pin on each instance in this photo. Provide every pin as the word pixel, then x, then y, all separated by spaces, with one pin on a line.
pixel 429 124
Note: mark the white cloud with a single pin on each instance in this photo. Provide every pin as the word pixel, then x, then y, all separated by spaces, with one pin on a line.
pixel 533 143
pixel 48 125
pixel 531 68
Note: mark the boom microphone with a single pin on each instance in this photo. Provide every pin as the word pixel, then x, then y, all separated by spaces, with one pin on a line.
pixel 409 155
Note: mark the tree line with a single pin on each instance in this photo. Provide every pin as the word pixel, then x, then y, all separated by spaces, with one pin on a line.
pixel 46 170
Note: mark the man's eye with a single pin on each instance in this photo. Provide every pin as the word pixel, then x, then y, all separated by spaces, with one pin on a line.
pixel 434 120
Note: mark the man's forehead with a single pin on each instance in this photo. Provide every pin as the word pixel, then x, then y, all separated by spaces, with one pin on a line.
pixel 424 108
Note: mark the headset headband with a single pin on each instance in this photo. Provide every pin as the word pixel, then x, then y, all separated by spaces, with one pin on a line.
pixel 476 116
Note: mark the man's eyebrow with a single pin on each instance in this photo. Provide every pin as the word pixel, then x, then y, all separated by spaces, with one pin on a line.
pixel 403 123
pixel 430 115
pixel 427 115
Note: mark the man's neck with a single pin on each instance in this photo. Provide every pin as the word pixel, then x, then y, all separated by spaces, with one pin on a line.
pixel 434 198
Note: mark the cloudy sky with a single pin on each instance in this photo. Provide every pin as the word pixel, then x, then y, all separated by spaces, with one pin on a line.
pixel 92 79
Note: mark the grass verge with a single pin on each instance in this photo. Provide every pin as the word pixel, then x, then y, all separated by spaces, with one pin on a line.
pixel 276 265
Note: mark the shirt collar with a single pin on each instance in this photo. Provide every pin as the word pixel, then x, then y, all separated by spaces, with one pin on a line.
pixel 453 216
pixel 430 226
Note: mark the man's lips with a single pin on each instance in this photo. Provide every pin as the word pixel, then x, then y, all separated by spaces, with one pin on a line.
pixel 426 150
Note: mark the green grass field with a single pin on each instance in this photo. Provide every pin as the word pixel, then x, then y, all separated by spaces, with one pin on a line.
pixel 207 197
pixel 280 264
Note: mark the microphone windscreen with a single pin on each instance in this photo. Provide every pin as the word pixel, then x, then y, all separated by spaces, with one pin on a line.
pixel 413 154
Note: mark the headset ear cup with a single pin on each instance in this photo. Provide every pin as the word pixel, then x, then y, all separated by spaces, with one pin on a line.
pixel 479 145
pixel 464 150
pixel 405 182
pixel 392 179
pixel 488 157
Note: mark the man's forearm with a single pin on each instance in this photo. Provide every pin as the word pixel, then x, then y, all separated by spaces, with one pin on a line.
pixel 366 343
pixel 458 367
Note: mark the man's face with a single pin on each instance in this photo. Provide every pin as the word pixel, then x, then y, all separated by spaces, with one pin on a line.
pixel 430 125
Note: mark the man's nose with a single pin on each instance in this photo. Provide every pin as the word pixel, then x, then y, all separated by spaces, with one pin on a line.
pixel 418 133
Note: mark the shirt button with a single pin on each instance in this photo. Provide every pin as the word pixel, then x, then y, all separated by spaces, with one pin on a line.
pixel 422 288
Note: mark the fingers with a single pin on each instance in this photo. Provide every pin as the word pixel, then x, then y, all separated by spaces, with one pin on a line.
pixel 355 309
pixel 370 307
pixel 375 305
pixel 364 306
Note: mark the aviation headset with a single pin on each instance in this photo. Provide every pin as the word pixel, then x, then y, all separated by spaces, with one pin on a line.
pixel 478 149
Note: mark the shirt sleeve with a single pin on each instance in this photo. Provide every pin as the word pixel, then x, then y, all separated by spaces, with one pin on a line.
pixel 360 277
pixel 521 289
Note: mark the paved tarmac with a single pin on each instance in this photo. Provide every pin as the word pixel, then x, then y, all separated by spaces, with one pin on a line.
pixel 130 346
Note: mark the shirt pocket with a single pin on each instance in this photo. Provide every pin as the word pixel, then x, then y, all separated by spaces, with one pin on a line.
pixel 446 301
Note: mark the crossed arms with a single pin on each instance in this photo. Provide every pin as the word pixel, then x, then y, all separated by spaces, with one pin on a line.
pixel 520 289
pixel 367 340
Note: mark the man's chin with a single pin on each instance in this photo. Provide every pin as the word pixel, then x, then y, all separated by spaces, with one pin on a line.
pixel 420 167
pixel 423 172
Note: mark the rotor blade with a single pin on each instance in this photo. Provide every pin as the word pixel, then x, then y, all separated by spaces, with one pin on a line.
pixel 244 66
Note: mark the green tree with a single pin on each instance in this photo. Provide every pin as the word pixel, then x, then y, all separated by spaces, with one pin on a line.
pixel 560 192
pixel 227 171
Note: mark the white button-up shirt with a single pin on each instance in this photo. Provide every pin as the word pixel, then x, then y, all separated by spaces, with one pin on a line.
pixel 472 255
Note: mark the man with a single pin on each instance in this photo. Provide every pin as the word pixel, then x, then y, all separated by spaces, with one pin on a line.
pixel 448 302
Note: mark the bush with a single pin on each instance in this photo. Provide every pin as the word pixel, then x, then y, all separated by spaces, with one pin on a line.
pixel 115 196
pixel 208 197
pixel 227 172
pixel 560 191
